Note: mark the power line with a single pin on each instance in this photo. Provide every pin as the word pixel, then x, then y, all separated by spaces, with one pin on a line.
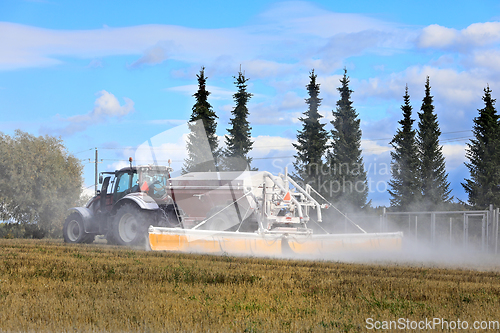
pixel 389 139
pixel 271 157
pixel 263 147
pixel 456 132
pixel 83 151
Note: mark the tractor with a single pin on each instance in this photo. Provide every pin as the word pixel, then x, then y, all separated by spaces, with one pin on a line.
pixel 130 200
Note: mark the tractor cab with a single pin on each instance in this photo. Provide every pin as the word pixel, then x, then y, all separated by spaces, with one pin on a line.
pixel 150 180
pixel 154 181
pixel 125 182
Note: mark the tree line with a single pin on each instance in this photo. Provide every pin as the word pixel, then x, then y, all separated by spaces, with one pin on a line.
pixel 331 161
pixel 419 179
pixel 39 181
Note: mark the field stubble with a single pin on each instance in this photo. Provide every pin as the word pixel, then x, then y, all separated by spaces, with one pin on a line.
pixel 53 287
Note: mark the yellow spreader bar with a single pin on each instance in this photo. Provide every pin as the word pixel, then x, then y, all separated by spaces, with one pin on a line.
pixel 213 244
pixel 346 243
pixel 242 243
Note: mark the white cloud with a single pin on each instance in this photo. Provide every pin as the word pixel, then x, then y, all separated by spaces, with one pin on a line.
pixel 454 155
pixel 301 17
pixel 152 56
pixel 451 86
pixel 260 68
pixel 291 101
pixel 370 147
pixel 487 59
pixel 26 46
pixel 282 109
pixel 293 32
pixel 477 34
pixel 106 106
pixel 329 84
pixel 482 33
pixel 456 87
pixel 456 95
pixel 437 36
pixel 264 145
pixel 174 151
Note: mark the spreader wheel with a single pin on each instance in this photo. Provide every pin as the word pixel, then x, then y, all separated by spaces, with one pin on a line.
pixel 221 218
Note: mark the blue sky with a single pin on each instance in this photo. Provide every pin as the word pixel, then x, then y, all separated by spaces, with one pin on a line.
pixel 112 74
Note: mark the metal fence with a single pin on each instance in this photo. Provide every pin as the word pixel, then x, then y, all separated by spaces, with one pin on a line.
pixel 467 229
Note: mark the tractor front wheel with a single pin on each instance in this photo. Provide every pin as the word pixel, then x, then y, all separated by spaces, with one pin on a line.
pixel 130 225
pixel 74 230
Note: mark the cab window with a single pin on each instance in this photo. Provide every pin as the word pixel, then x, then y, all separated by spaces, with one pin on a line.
pixel 123 184
pixel 135 179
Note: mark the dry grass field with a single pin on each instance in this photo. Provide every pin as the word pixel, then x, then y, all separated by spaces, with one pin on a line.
pixel 49 286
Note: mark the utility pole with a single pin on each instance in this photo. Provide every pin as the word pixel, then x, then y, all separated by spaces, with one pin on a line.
pixel 95 171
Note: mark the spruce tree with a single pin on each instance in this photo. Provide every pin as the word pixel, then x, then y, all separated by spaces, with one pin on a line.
pixel 238 141
pixel 312 140
pixel 405 185
pixel 434 179
pixel 201 157
pixel 348 185
pixel 483 154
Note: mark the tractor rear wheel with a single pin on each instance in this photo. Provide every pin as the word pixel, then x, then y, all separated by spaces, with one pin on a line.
pixel 130 225
pixel 74 230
